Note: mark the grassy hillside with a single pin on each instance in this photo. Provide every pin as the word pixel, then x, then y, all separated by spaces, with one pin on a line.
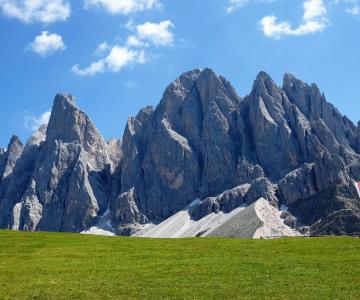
pixel 70 266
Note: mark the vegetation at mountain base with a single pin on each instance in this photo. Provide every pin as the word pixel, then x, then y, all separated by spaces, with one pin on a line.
pixel 73 266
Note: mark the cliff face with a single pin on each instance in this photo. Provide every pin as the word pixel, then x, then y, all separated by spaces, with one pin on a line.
pixel 61 181
pixel 9 157
pixel 287 145
pixel 184 149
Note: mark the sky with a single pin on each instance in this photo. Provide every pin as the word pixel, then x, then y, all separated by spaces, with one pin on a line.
pixel 117 56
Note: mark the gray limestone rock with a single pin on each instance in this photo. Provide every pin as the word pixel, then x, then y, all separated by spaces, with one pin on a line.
pixel 61 181
pixel 9 157
pixel 289 219
pixel 14 186
pixel 182 150
pixel 286 144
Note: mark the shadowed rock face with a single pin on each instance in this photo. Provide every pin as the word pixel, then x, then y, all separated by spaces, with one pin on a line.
pixel 285 144
pixel 182 150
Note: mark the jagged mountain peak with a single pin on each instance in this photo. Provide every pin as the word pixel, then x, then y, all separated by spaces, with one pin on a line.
pixel 15 141
pixel 145 113
pixel 285 144
pixel 15 146
pixel 210 85
pixel 311 102
pixel 263 76
pixel 64 99
pixel 208 74
pixel 183 84
pixel 192 74
pixel 289 79
pixel 292 85
pixel 264 85
pixel 70 124
pixel 195 74
pixel 197 77
pixel 10 156
pixel 193 94
pixel 60 182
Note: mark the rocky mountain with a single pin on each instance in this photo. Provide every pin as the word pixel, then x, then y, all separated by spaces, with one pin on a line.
pixel 287 145
pixel 61 181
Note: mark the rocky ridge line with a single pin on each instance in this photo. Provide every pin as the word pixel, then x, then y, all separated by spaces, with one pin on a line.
pixel 286 144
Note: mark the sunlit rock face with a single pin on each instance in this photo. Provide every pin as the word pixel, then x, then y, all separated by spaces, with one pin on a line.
pixel 285 144
pixel 62 179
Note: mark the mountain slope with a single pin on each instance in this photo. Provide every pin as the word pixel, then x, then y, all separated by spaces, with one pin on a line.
pixel 285 144
pixel 61 181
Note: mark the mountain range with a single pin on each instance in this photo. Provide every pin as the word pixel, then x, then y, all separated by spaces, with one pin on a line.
pixel 203 153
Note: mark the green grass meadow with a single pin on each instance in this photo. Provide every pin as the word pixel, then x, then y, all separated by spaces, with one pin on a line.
pixel 73 266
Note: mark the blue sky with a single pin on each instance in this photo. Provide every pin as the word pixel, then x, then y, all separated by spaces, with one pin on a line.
pixel 117 56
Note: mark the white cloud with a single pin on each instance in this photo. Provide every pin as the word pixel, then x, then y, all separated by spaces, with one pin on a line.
pixel 34 122
pixel 235 4
pixel 273 29
pixel 146 34
pixel 124 7
pixel 314 9
pixel 46 44
pixel 158 34
pixel 94 68
pixel 101 48
pixel 354 10
pixel 314 20
pixel 134 41
pixel 44 11
pixel 352 6
pixel 117 58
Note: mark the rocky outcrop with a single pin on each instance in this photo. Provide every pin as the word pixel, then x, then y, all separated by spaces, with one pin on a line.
pixel 182 150
pixel 285 144
pixel 9 157
pixel 61 181
pixel 244 194
pixel 114 150
pixel 14 186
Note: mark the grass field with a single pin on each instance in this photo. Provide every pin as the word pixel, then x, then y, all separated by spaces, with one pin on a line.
pixel 71 266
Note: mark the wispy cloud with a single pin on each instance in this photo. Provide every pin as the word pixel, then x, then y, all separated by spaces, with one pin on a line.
pixel 44 11
pixel 33 123
pixel 352 7
pixel 354 10
pixel 101 48
pixel 115 58
pixel 124 7
pixel 233 5
pixel 47 43
pixel 314 20
pixel 131 84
